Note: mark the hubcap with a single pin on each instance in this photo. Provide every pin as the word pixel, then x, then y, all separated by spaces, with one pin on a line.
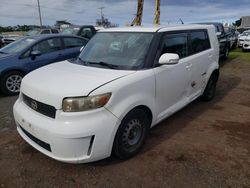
pixel 13 83
pixel 132 134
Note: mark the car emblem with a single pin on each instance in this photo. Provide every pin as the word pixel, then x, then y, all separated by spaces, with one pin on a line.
pixel 33 105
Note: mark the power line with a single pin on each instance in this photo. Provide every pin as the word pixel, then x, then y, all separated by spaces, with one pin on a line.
pixel 44 7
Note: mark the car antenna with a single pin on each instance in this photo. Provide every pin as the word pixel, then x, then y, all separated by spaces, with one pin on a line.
pixel 181 21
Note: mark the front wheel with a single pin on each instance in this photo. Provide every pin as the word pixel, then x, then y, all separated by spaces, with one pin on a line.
pixel 131 134
pixel 11 82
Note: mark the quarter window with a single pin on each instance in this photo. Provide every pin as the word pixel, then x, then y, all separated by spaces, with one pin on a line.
pixel 73 42
pixel 199 41
pixel 45 31
pixel 176 43
pixel 87 33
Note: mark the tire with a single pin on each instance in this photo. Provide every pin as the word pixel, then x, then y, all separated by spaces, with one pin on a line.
pixel 210 89
pixel 10 83
pixel 226 52
pixel 131 134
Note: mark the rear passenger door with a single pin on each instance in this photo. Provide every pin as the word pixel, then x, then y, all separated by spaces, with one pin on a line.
pixel 173 81
pixel 200 58
pixel 72 46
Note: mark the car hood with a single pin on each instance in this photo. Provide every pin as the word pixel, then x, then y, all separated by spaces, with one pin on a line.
pixel 5 56
pixel 52 83
pixel 242 37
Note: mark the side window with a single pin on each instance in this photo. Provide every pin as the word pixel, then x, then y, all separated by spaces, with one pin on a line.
pixel 54 31
pixel 87 33
pixel 48 46
pixel 176 43
pixel 71 42
pixel 46 31
pixel 199 41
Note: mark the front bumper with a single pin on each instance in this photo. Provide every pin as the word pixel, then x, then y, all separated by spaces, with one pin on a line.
pixel 240 43
pixel 70 137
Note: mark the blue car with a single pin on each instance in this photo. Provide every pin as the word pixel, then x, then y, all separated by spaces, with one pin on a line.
pixel 29 53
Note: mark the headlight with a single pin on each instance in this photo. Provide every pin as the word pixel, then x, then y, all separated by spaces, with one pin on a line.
pixel 78 104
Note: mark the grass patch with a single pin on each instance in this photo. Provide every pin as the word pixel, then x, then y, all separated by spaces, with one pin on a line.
pixel 237 53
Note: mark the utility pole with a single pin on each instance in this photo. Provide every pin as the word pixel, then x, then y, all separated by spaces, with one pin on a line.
pixel 102 16
pixel 39 11
pixel 137 20
pixel 157 12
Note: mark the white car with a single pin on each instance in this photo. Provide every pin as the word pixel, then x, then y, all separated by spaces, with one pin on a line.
pixel 242 37
pixel 125 81
pixel 246 44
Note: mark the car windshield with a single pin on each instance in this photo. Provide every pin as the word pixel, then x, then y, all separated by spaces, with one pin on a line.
pixel 32 32
pixel 17 46
pixel 117 50
pixel 71 30
pixel 246 33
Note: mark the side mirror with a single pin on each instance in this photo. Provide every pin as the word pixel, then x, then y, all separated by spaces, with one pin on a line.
pixel 34 54
pixel 169 59
pixel 81 49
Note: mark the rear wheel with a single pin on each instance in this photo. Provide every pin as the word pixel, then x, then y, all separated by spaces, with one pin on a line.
pixel 11 82
pixel 210 89
pixel 226 52
pixel 131 134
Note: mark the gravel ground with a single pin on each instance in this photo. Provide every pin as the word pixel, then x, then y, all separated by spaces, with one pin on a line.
pixel 205 145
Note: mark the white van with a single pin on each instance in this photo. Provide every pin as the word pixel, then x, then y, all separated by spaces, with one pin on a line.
pixel 125 81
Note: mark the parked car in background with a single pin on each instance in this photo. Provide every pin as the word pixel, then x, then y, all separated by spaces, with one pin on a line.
pixel 242 37
pixel 125 81
pixel 246 44
pixel 41 31
pixel 1 41
pixel 232 36
pixel 223 38
pixel 7 39
pixel 29 53
pixel 86 31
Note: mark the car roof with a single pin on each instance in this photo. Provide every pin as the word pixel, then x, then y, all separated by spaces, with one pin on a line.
pixel 45 36
pixel 214 23
pixel 156 28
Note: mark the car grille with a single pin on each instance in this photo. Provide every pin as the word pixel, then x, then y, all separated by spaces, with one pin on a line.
pixel 36 140
pixel 42 108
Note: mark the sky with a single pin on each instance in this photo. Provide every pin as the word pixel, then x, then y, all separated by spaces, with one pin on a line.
pixel 122 12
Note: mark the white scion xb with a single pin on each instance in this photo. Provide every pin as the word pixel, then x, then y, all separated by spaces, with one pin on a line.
pixel 125 81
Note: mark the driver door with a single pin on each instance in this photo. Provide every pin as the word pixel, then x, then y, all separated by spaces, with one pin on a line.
pixel 51 51
pixel 173 81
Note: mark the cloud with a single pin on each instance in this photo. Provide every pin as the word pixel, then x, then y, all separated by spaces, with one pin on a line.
pixel 120 11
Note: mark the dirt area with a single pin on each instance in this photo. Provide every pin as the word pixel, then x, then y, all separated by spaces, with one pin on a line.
pixel 205 145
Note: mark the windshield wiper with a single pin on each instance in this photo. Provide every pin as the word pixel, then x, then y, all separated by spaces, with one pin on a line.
pixel 111 66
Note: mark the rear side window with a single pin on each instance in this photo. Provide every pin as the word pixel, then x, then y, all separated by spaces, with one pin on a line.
pixel 199 41
pixel 176 43
pixel 87 33
pixel 46 31
pixel 70 42
pixel 54 31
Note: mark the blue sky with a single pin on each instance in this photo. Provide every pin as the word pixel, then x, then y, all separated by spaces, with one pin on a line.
pixel 121 11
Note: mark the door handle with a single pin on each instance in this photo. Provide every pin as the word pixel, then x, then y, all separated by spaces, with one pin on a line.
pixel 189 66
